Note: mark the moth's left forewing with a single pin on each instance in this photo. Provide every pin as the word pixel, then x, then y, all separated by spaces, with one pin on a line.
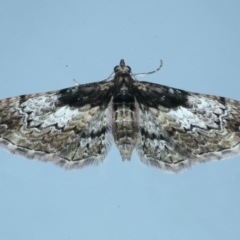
pixel 186 127
pixel 70 127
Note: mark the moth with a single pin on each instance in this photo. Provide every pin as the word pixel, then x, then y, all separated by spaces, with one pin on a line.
pixel 170 128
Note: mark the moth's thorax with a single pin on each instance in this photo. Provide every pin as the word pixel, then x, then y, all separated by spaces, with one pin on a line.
pixel 123 83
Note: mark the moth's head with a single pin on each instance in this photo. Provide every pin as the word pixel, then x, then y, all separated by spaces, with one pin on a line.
pixel 122 68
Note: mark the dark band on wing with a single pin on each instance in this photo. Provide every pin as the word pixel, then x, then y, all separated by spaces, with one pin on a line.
pixel 155 94
pixel 82 95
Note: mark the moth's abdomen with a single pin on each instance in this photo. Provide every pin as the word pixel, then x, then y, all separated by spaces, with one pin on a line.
pixel 124 128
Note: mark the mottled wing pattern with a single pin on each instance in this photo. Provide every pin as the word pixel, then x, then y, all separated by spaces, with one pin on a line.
pixel 179 128
pixel 70 127
pixel 170 128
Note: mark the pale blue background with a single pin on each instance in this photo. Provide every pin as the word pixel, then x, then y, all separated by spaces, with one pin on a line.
pixel 199 42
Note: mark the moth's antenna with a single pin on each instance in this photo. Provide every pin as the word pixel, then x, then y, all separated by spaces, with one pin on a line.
pixel 147 73
pixel 76 82
pixel 110 77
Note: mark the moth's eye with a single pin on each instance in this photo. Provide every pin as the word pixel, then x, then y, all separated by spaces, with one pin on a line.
pixel 116 69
